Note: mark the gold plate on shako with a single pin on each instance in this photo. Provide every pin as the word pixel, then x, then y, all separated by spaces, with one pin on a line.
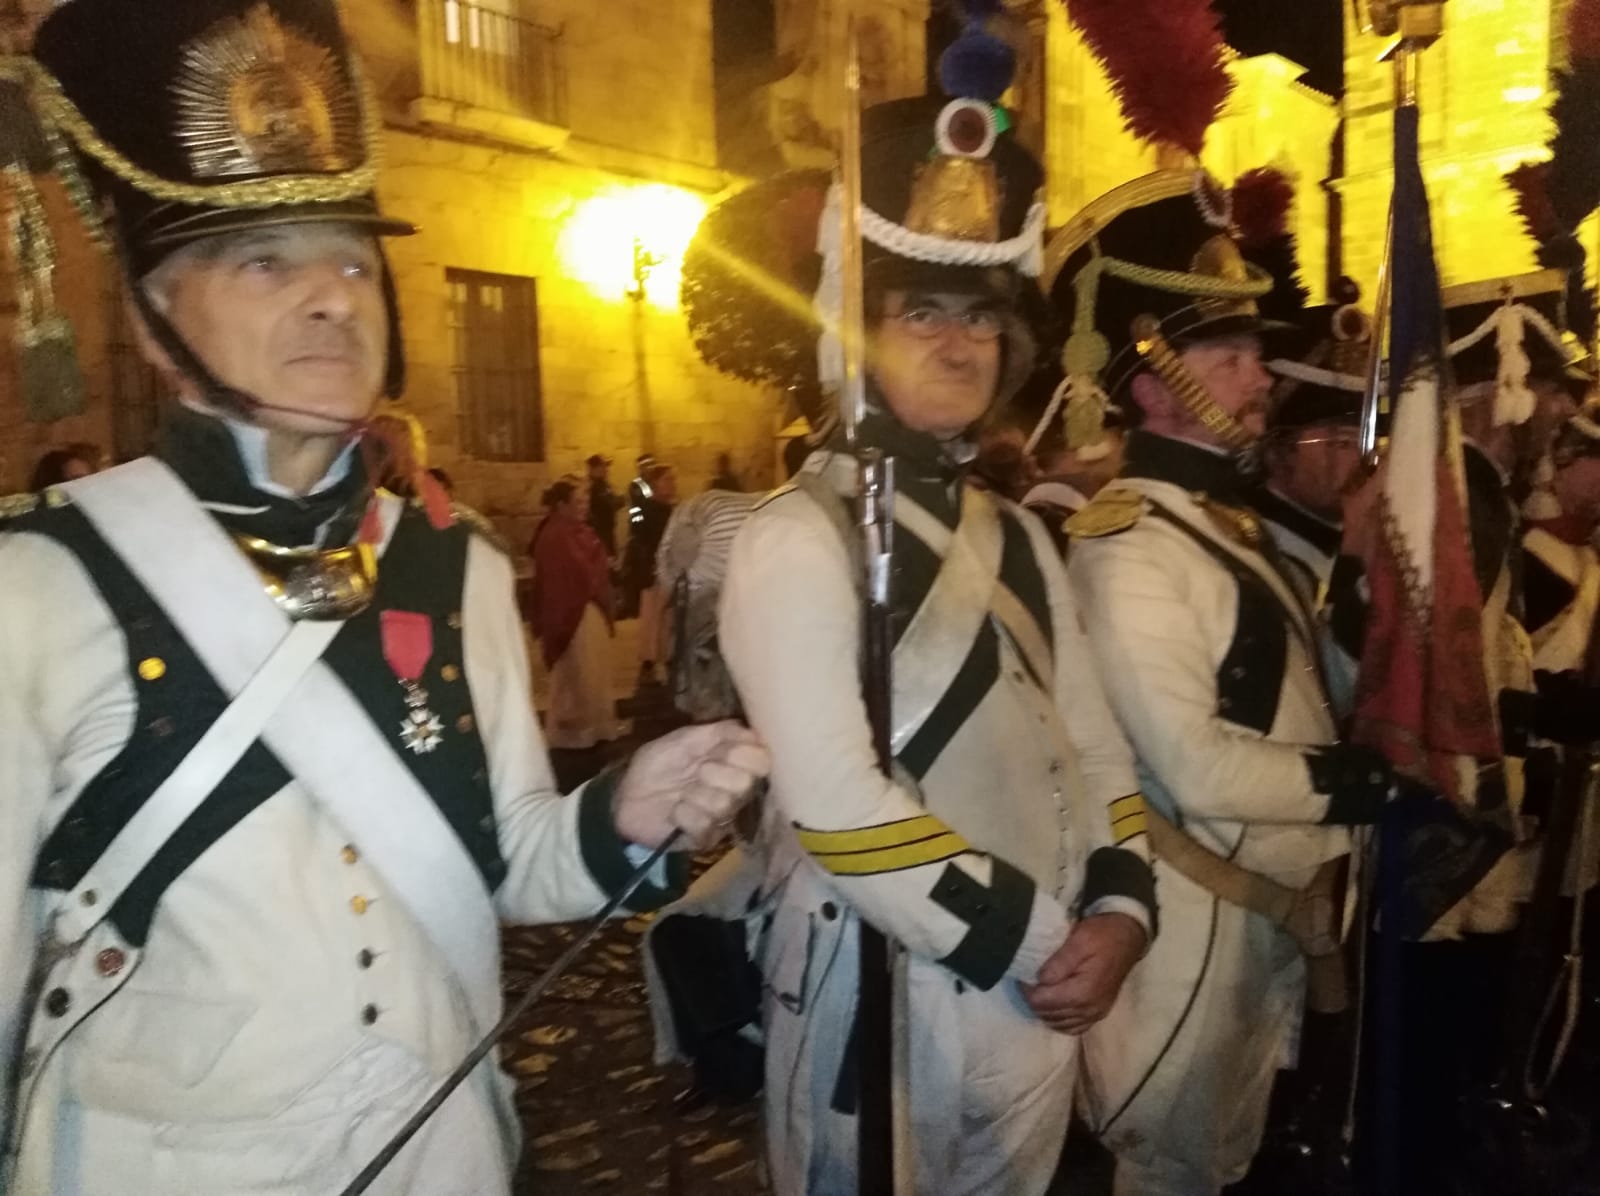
pixel 1111 511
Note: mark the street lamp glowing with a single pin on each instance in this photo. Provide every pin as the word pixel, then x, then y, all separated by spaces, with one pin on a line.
pixel 629 242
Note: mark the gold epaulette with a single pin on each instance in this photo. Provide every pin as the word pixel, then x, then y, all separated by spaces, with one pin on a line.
pixel 14 505
pixel 480 523
pixel 1115 509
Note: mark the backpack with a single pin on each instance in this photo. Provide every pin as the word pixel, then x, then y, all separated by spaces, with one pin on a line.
pixel 692 565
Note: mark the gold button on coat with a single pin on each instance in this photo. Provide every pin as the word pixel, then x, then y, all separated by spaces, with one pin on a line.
pixel 450 673
pixel 358 904
pixel 464 724
pixel 152 668
pixel 349 855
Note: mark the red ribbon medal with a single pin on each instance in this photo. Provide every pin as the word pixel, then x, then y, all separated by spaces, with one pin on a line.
pixel 407 647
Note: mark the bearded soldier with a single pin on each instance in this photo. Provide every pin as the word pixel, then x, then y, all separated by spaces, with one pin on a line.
pixel 1210 657
pixel 271 773
pixel 1005 855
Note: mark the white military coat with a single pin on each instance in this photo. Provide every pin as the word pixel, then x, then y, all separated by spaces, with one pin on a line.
pixel 1005 819
pixel 1216 683
pixel 287 1012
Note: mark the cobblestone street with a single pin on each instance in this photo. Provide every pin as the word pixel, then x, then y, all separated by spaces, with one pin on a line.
pixel 598 1116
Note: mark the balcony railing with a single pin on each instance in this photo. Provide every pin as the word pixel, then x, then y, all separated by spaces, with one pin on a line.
pixel 486 57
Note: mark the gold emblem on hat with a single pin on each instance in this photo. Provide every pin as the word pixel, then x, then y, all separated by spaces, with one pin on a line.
pixel 257 97
pixel 955 198
pixel 1220 258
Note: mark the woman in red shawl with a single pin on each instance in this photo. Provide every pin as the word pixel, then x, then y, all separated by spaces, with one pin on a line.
pixel 572 618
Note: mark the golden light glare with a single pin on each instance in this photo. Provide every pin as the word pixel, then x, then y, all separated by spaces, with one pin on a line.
pixel 629 242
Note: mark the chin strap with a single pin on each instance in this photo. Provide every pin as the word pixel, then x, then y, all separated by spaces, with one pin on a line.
pixel 1165 363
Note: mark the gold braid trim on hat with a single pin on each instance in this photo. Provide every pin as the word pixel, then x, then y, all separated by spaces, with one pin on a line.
pixel 59 116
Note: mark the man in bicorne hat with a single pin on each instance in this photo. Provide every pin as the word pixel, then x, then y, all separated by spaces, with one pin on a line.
pixel 1004 858
pixel 1211 658
pixel 271 773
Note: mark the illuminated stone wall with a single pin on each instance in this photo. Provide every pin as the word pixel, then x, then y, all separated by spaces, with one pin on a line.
pixel 1483 98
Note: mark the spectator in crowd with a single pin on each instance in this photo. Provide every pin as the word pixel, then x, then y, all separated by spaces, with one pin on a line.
pixel 639 490
pixel 726 479
pixel 603 503
pixel 63 465
pixel 639 566
pixel 571 615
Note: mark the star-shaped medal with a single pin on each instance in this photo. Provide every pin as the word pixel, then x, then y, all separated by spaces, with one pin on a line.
pixel 421 731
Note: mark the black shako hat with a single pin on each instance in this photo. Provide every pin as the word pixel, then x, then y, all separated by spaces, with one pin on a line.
pixel 950 203
pixel 936 168
pixel 202 117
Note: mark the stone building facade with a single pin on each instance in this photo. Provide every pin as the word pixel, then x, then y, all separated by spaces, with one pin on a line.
pixel 556 156
pixel 1483 97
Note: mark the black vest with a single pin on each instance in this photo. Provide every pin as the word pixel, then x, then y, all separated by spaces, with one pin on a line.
pixel 423 571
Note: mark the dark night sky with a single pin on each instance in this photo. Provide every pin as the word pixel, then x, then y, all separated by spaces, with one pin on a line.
pixel 1308 31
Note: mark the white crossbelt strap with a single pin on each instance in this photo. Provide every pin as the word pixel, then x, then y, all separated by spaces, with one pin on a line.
pixel 321 734
pixel 181 794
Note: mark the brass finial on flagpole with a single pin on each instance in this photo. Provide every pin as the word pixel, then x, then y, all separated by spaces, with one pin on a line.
pixel 1415 26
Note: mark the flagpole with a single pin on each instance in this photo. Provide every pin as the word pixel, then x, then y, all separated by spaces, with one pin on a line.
pixel 1415 26
pixel 882 1114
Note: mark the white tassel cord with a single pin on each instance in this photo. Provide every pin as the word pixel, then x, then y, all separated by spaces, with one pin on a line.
pixel 1513 401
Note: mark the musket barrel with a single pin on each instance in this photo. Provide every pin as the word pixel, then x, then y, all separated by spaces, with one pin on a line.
pixel 852 314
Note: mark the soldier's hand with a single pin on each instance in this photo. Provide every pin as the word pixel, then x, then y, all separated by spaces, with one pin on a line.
pixel 693 780
pixel 1079 983
pixel 1361 514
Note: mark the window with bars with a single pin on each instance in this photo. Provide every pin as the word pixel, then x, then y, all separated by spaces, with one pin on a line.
pixel 494 323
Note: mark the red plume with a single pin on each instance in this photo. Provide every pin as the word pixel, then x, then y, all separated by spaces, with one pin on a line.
pixel 1528 184
pixel 1583 31
pixel 1261 202
pixel 1166 63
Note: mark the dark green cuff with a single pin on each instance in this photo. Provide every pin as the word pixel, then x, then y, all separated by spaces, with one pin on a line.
pixel 997 916
pixel 1118 872
pixel 605 853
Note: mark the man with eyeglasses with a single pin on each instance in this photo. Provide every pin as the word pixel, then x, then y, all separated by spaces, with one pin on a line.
pixel 1311 457
pixel 1005 857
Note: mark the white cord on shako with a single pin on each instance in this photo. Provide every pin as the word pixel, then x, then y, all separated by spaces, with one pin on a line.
pixel 1023 252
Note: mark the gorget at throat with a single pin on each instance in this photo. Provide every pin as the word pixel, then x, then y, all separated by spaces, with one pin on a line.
pixel 307 550
pixel 315 584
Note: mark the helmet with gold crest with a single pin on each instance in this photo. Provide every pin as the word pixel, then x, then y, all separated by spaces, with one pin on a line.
pixel 950 204
pixel 1155 265
pixel 175 122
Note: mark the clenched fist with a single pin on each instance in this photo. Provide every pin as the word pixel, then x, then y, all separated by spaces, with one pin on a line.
pixel 693 780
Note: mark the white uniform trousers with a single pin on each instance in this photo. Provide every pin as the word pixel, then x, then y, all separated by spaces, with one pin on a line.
pixel 313 1147
pixel 991 1086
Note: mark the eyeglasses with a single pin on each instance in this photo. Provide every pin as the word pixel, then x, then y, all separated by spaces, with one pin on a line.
pixel 926 322
pixel 1338 437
